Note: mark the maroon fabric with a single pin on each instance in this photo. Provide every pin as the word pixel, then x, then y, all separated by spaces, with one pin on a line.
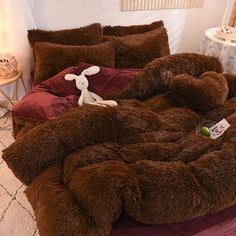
pixel 107 81
pixel 218 224
pixel 39 104
pixel 61 87
pixel 57 95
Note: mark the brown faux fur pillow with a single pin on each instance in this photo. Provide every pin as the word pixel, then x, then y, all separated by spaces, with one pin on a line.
pixel 52 58
pixel 135 51
pixel 231 80
pixel 205 93
pixel 87 35
pixel 132 29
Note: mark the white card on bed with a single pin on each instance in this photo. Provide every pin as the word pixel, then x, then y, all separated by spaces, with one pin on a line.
pixel 219 129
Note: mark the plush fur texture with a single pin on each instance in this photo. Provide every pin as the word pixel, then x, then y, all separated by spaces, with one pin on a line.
pixel 158 73
pixel 231 80
pixel 143 157
pixel 135 51
pixel 87 35
pixel 131 29
pixel 53 58
pixel 205 93
pixel 156 76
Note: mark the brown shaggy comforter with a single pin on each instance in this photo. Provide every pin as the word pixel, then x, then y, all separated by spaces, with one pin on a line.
pixel 142 157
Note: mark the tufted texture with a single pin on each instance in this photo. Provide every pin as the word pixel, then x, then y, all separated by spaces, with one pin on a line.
pixel 205 93
pixel 49 64
pixel 120 31
pixel 87 35
pixel 143 157
pixel 135 51
pixel 156 75
pixel 231 80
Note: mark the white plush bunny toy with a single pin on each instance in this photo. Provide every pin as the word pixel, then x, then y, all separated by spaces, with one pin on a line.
pixel 86 96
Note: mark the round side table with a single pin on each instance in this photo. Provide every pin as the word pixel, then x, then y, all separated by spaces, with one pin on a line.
pixel 6 81
pixel 225 51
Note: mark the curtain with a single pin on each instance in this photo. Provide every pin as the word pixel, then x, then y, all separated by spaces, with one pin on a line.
pixel 15 19
pixel 232 21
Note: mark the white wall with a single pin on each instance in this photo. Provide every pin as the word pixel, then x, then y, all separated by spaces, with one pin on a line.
pixel 186 27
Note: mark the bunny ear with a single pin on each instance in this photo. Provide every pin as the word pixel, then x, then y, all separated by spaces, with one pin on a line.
pixel 70 77
pixel 91 70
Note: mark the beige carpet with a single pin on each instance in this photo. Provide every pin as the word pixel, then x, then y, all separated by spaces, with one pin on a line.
pixel 16 215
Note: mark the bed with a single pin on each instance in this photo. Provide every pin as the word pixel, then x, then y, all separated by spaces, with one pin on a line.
pixel 218 224
pixel 108 46
pixel 98 171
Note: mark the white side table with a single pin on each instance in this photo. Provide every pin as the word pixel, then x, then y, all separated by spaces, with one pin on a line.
pixel 225 51
pixel 7 81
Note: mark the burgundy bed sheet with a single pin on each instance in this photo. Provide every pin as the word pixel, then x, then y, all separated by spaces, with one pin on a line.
pixel 219 224
pixel 55 96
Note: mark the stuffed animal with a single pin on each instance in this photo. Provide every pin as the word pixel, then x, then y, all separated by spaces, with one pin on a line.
pixel 82 84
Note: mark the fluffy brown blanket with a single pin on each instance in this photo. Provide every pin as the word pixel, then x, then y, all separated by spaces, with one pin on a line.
pixel 142 157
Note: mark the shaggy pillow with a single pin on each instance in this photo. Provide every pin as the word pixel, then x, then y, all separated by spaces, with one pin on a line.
pixel 231 80
pixel 129 30
pixel 135 51
pixel 53 58
pixel 107 81
pixel 87 35
pixel 156 75
pixel 203 94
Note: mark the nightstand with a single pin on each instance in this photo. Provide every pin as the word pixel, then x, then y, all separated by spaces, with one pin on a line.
pixel 225 51
pixel 9 81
